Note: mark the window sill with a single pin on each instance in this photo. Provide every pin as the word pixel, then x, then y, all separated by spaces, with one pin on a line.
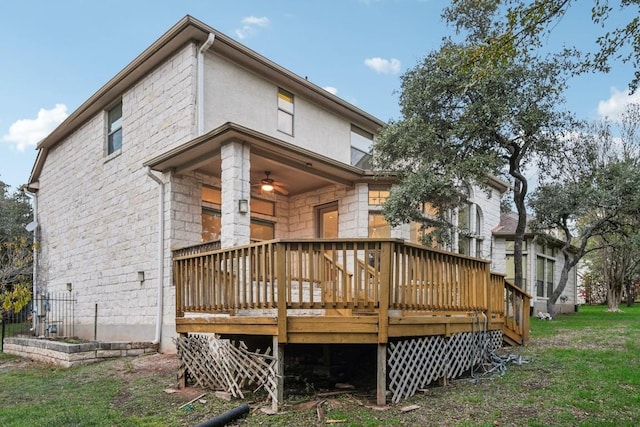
pixel 112 155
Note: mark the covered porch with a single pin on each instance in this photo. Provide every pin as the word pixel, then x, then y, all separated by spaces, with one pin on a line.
pixel 337 291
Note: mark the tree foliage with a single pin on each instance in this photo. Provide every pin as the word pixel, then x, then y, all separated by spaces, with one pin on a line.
pixel 464 122
pixel 524 25
pixel 593 200
pixel 16 251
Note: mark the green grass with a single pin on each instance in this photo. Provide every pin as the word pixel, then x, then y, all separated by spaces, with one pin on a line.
pixel 583 370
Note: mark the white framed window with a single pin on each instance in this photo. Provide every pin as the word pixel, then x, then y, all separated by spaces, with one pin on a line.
pixel 285 112
pixel 114 129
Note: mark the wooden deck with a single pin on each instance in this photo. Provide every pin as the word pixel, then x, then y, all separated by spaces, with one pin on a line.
pixel 341 291
pixel 360 291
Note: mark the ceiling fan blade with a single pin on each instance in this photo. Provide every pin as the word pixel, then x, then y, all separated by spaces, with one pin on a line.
pixel 280 189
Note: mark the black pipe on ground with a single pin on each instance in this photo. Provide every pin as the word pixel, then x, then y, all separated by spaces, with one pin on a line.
pixel 226 417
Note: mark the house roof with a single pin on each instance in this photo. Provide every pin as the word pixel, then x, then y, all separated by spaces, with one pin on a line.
pixel 301 169
pixel 507 229
pixel 508 224
pixel 187 30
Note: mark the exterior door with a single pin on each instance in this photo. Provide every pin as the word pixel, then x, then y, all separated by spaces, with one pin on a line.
pixel 327 221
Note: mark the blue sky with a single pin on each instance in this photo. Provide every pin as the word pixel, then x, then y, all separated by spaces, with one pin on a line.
pixel 56 54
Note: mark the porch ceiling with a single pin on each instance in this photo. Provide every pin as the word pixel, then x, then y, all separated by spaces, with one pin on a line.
pixel 298 170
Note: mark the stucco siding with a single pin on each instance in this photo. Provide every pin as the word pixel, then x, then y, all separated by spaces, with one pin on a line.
pixel 234 94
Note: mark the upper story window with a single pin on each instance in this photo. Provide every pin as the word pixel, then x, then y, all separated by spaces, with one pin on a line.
pixel 361 144
pixel 285 112
pixel 114 129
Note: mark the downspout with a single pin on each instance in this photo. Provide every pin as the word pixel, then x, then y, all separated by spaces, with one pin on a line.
pixel 160 290
pixel 200 84
pixel 34 279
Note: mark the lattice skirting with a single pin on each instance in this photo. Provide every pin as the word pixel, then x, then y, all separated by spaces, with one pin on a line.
pixel 220 364
pixel 415 363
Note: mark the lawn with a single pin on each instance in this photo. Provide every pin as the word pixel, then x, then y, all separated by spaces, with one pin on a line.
pixel 583 370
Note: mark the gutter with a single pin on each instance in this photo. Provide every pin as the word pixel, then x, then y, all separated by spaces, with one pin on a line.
pixel 34 280
pixel 200 84
pixel 160 290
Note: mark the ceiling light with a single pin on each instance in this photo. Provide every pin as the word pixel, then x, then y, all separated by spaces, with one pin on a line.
pixel 267 183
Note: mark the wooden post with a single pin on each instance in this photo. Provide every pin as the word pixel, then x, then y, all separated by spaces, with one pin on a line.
pixel 278 353
pixel 385 291
pixel 383 320
pixel 525 319
pixel 381 380
pixel 281 281
pixel 182 368
pixel 488 288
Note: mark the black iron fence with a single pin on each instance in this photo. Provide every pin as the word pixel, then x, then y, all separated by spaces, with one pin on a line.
pixel 49 315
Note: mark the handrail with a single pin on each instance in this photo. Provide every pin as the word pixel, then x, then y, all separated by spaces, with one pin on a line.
pixel 328 273
pixel 363 274
pixel 517 303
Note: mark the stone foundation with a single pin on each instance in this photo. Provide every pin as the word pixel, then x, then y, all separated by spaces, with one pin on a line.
pixel 68 354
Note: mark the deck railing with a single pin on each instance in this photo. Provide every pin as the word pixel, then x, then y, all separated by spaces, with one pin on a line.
pixel 340 273
pixel 357 274
pixel 516 315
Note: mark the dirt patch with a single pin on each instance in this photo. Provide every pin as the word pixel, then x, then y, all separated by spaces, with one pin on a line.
pixel 585 339
pixel 14 363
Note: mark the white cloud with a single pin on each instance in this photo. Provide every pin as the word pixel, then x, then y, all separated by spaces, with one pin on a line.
pixel 383 66
pixel 613 107
pixel 331 90
pixel 28 132
pixel 250 24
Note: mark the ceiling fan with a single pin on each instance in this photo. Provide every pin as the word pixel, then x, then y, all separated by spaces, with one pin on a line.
pixel 268 185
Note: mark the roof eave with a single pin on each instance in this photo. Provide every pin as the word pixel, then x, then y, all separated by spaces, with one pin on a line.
pixel 189 29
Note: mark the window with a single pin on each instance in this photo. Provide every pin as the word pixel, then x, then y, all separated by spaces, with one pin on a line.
pixel 378 196
pixel 544 276
pixel 511 272
pixel 361 144
pixel 464 224
pixel 211 195
pixel 378 226
pixel 509 244
pixel 327 220
pixel 114 129
pixel 211 224
pixel 545 266
pixel 285 112
pixel 260 229
pixel 511 265
pixel 264 207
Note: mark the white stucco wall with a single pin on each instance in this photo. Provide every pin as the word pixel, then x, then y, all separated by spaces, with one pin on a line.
pixel 234 94
pixel 99 215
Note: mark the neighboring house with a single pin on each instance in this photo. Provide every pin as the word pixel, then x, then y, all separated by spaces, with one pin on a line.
pixel 201 139
pixel 542 264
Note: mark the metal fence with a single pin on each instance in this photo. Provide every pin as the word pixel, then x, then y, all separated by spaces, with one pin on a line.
pixel 49 315
pixel 55 314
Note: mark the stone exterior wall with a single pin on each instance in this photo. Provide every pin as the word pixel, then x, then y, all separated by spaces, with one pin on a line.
pixel 67 355
pixel 352 211
pixel 99 214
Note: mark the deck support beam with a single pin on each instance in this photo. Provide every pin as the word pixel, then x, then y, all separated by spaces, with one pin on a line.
pixel 278 353
pixel 182 369
pixel 381 380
